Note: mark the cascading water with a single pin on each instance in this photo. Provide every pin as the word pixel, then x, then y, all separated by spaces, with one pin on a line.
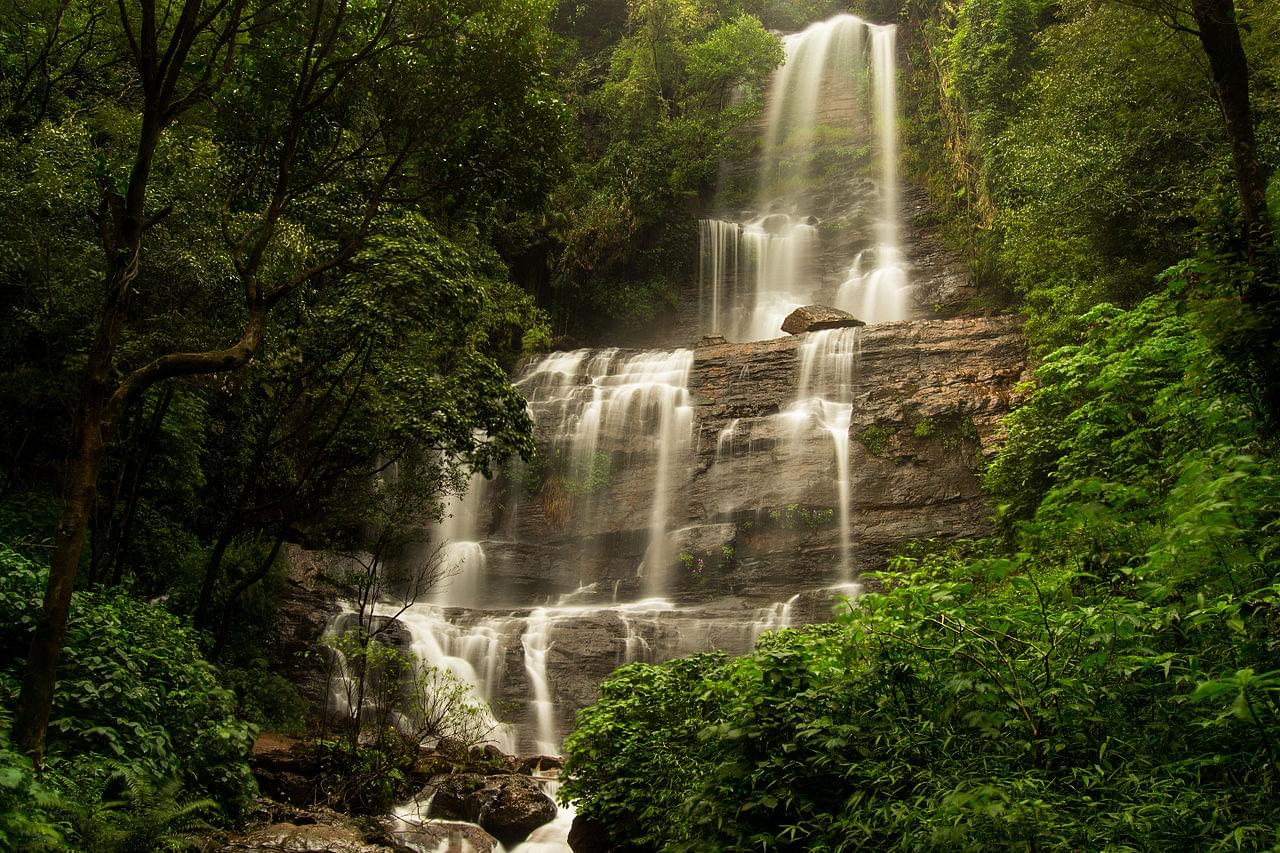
pixel 825 401
pixel 535 641
pixel 605 549
pixel 755 271
pixel 631 412
pixel 461 557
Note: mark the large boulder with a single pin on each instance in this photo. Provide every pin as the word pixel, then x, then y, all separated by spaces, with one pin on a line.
pixel 541 764
pixel 517 808
pixel 815 318
pixel 508 806
pixel 457 796
pixel 437 836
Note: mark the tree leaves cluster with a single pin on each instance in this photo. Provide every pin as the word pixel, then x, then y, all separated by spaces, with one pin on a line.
pixel 250 260
pixel 1080 145
pixel 657 114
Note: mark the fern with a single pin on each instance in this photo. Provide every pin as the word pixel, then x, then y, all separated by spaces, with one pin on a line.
pixel 138 813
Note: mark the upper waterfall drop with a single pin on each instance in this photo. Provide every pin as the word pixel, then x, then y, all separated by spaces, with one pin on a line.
pixel 831 103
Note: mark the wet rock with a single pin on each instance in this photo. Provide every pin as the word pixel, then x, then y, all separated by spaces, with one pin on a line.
pixel 589 836
pixel 815 318
pixel 541 764
pixel 491 757
pixel 456 796
pixel 437 836
pixel 286 769
pixel 318 831
pixel 516 808
pixel 508 806
pixel 393 633
pixel 703 538
pixel 431 763
pixel 711 340
pixel 775 223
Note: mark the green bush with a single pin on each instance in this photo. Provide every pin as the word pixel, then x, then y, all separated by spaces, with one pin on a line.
pixel 28 808
pixel 645 726
pixel 132 812
pixel 133 687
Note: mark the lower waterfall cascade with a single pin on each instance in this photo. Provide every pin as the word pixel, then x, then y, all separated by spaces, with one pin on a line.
pixel 796 464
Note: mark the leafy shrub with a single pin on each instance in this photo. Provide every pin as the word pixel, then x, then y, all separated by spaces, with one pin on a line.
pixel 132 687
pixel 645 726
pixel 266 699
pixel 135 813
pixel 27 807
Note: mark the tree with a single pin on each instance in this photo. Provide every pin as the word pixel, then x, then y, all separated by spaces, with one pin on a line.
pixel 323 115
pixel 1219 34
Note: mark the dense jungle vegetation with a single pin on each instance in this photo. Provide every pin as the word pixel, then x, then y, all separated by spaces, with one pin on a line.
pixel 257 251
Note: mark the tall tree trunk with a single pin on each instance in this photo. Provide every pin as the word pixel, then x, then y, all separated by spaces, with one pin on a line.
pixel 1220 38
pixel 116 560
pixel 80 482
pixel 122 226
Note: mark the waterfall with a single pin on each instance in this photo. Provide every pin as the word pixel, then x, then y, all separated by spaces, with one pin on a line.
pixel 472 652
pixel 462 558
pixel 536 642
pixel 824 401
pixel 612 410
pixel 879 295
pixel 755 271
pixel 717 268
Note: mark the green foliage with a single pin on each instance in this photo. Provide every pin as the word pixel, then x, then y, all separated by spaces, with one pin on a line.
pixel 682 80
pixel 1074 148
pixel 364 779
pixel 989 54
pixel 1108 671
pixel 1120 406
pixel 394 704
pixel 265 698
pixel 596 478
pixel 875 438
pixel 795 517
pixel 645 726
pixel 138 814
pixel 28 808
pixel 134 688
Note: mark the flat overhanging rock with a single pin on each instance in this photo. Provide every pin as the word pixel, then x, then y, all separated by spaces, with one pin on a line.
pixel 815 318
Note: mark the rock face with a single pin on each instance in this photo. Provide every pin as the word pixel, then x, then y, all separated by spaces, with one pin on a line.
pixel 815 318
pixel 928 400
pixel 752 533
pixel 286 769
